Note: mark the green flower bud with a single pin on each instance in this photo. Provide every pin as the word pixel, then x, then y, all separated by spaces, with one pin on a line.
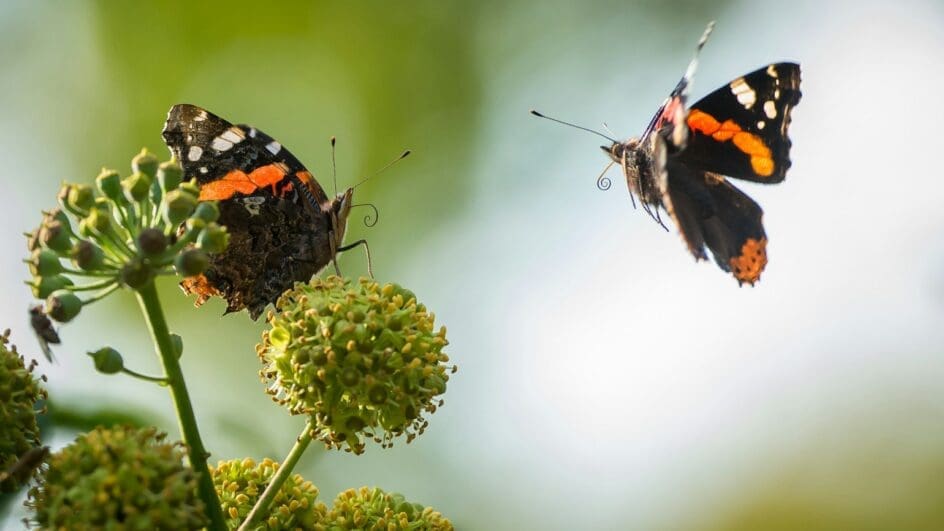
pixel 191 262
pixel 87 256
pixel 178 344
pixel 63 305
pixel 208 211
pixel 42 287
pixel 190 188
pixel 19 432
pixel 213 239
pixel 169 175
pixel 144 162
pixel 365 360
pixel 109 183
pixel 136 274
pixel 372 508
pixel 195 224
pixel 240 482
pixel 123 475
pixel 137 186
pixel 152 242
pixel 107 360
pixel 178 206
pixel 44 263
pixel 98 220
pixel 80 197
pixel 55 236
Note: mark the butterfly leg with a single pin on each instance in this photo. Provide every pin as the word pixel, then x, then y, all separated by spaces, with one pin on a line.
pixel 370 267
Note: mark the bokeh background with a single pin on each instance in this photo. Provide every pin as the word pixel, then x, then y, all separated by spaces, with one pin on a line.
pixel 606 381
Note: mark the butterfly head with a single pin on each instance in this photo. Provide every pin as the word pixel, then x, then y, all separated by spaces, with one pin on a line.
pixel 340 210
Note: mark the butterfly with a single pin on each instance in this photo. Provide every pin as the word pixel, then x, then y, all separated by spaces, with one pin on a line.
pixel 283 227
pixel 682 161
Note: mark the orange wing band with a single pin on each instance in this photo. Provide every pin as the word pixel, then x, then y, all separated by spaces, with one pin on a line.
pixel 239 182
pixel 762 161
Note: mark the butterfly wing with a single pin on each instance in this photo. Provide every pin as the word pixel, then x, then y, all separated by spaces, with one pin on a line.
pixel 277 235
pixel 740 129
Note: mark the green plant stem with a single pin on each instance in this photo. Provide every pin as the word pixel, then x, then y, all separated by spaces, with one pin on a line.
pixel 146 378
pixel 261 508
pixel 154 314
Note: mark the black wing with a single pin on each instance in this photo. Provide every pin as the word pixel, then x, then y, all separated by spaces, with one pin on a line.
pixel 740 129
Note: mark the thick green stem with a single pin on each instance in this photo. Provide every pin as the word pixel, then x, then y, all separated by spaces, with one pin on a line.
pixel 261 509
pixel 151 306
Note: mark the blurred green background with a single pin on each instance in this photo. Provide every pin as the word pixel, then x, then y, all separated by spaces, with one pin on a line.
pixel 606 381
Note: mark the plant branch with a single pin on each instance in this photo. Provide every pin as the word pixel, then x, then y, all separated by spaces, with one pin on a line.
pixel 164 346
pixel 261 509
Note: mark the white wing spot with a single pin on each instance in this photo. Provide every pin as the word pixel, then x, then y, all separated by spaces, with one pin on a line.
pixel 195 153
pixel 744 93
pixel 274 147
pixel 772 71
pixel 221 144
pixel 761 124
pixel 201 116
pixel 252 204
pixel 770 109
pixel 203 169
pixel 777 94
pixel 252 132
pixel 233 135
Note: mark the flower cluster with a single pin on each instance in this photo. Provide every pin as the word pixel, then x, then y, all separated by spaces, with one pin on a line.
pixel 375 510
pixel 19 433
pixel 357 357
pixel 240 482
pixel 121 232
pixel 125 475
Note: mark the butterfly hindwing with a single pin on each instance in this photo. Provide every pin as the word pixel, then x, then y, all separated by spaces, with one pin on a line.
pixel 740 129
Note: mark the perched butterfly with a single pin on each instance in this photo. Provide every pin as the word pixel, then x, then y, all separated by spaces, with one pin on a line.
pixel 680 161
pixel 283 227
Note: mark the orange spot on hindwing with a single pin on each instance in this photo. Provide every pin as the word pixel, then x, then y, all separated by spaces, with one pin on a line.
pixel 239 182
pixel 748 266
pixel 753 146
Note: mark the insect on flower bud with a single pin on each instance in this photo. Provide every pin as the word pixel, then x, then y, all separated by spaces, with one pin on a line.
pixel 63 305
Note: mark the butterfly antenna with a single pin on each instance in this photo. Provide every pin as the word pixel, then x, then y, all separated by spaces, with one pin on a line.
pixel 381 170
pixel 608 130
pixel 587 129
pixel 334 165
